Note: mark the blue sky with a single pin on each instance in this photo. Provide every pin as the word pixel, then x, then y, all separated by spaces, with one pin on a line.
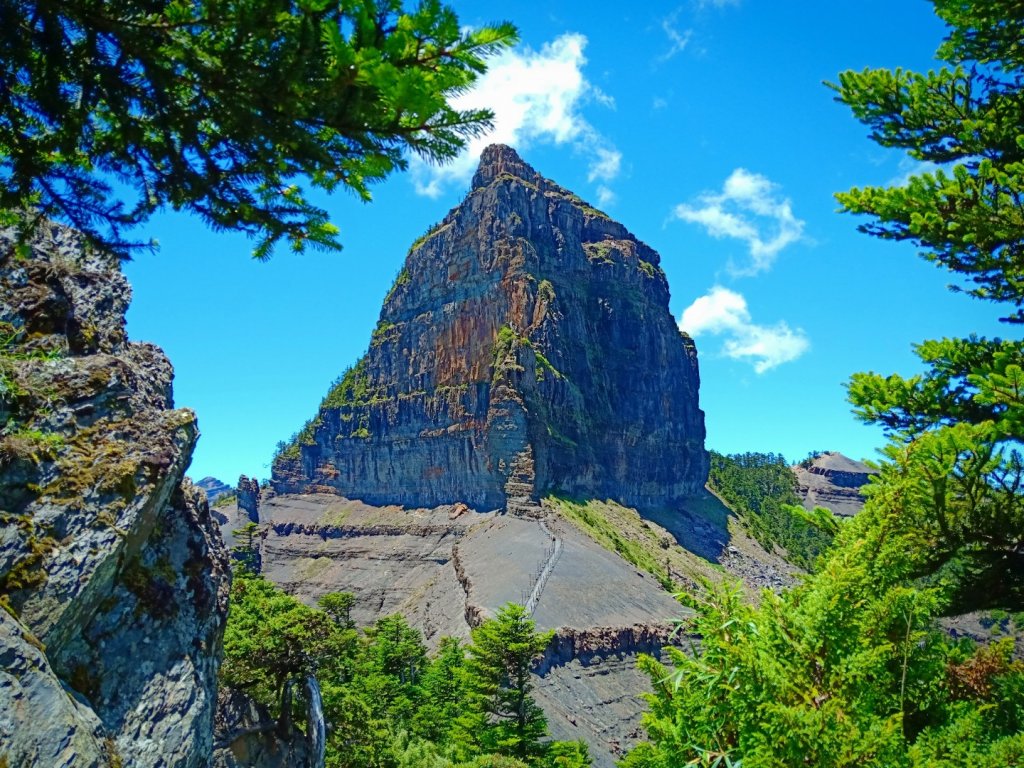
pixel 705 129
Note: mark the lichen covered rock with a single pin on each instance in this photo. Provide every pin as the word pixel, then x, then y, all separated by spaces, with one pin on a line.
pixel 107 556
pixel 526 348
pixel 40 723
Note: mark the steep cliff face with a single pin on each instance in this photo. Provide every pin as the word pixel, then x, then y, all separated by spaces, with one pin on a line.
pixel 525 348
pixel 112 572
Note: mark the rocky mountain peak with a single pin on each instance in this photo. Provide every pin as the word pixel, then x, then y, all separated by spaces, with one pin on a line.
pixel 526 348
pixel 499 159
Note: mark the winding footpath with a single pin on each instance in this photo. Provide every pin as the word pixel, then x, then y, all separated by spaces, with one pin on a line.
pixel 549 566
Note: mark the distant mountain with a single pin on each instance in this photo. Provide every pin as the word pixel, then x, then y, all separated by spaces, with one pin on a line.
pixel 214 488
pixel 833 481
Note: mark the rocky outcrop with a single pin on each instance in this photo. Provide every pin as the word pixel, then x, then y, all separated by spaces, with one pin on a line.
pixel 64 732
pixel 833 481
pixel 248 498
pixel 525 348
pixel 586 645
pixel 111 567
pixel 248 737
pixel 589 685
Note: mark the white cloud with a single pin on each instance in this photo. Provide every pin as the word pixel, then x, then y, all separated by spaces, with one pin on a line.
pixel 722 312
pixel 605 196
pixel 536 96
pixel 606 166
pixel 748 208
pixel 678 40
pixel 909 167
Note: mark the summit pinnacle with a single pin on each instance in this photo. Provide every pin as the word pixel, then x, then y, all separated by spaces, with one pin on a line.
pixel 526 348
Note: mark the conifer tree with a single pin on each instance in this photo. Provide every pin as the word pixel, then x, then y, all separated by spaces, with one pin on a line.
pixel 444 691
pixel 501 715
pixel 225 108
pixel 956 428
pixel 852 668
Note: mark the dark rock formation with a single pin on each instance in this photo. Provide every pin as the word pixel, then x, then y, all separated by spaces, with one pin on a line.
pixel 833 481
pixel 248 737
pixel 109 559
pixel 525 348
pixel 248 498
pixel 39 723
pixel 214 488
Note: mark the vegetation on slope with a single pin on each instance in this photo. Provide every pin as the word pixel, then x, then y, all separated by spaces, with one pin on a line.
pixel 621 530
pixel 640 541
pixel 761 489
pixel 386 702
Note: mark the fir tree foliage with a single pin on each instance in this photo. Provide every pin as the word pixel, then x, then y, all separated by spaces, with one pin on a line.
pixel 387 703
pixel 853 667
pixel 225 108
pixel 966 117
pixel 957 427
pixel 502 717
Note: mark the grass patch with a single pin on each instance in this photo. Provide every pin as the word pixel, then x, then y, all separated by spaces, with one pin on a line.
pixel 648 269
pixel 640 542
pixel 636 544
pixel 601 252
pixel 311 567
pixel 401 279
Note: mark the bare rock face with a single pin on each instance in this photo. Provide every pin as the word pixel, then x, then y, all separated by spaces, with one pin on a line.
pixel 63 731
pixel 526 348
pixel 248 495
pixel 833 481
pixel 248 737
pixel 109 559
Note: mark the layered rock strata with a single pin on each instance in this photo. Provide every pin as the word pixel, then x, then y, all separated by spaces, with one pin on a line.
pixel 448 568
pixel 833 481
pixel 112 572
pixel 526 348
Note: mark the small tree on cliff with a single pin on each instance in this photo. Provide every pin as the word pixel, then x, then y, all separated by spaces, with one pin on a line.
pixel 272 638
pixel 220 107
pixel 501 717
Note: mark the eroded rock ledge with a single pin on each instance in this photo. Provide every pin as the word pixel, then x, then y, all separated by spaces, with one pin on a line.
pixel 833 481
